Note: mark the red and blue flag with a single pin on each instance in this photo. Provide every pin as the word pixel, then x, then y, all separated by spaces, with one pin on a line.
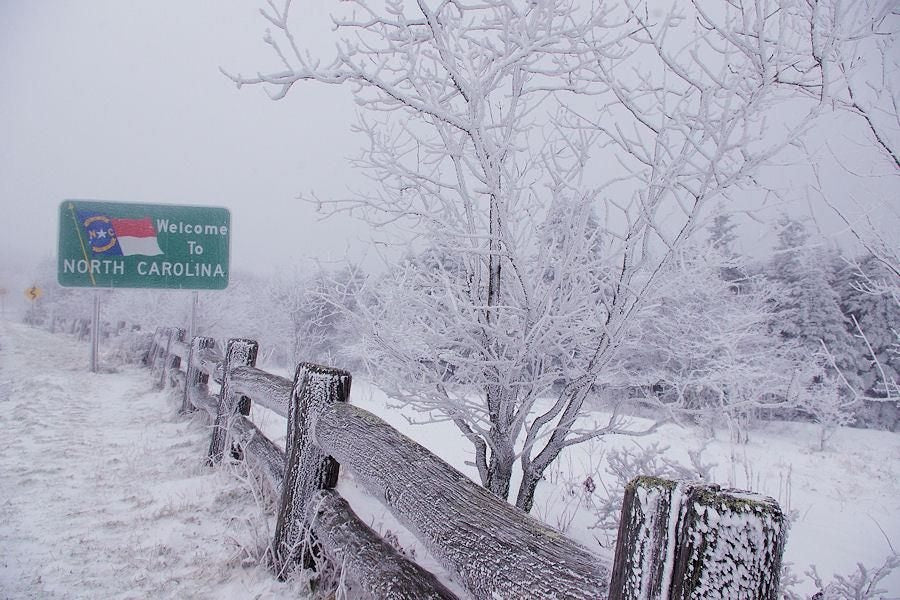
pixel 110 236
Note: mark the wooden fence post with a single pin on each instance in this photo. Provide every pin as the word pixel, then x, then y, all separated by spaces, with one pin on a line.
pixel 162 351
pixel 681 540
pixel 153 355
pixel 730 546
pixel 645 546
pixel 308 468
pixel 176 334
pixel 238 352
pixel 148 358
pixel 193 375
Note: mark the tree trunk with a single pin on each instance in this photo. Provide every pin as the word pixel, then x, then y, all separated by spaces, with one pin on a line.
pixel 533 470
pixel 502 456
pixel 525 497
pixel 500 473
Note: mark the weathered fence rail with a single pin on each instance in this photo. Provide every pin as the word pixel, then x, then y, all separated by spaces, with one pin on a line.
pixel 676 539
pixel 80 327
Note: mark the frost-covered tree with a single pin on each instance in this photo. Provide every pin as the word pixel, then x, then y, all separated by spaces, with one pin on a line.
pixel 315 306
pixel 878 315
pixel 722 237
pixel 857 44
pixel 818 394
pixel 702 348
pixel 854 45
pixel 485 123
pixel 875 328
pixel 808 308
pixel 242 310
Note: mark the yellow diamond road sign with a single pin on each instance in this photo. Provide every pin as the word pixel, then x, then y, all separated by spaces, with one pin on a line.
pixel 33 293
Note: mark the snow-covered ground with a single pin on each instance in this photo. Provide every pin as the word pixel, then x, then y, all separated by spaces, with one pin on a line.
pixel 103 488
pixel 104 492
pixel 845 500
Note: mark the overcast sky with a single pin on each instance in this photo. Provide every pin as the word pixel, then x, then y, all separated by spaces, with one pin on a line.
pixel 124 101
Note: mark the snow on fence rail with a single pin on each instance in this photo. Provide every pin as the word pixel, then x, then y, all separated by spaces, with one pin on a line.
pixel 79 327
pixel 676 539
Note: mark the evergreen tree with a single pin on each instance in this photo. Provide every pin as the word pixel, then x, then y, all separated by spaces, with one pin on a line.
pixel 807 309
pixel 722 238
pixel 704 347
pixel 875 323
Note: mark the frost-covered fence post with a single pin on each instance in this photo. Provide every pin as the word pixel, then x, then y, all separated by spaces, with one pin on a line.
pixel 681 540
pixel 84 329
pixel 308 468
pixel 647 539
pixel 157 349
pixel 193 375
pixel 151 353
pixel 730 546
pixel 161 351
pixel 238 352
pixel 176 334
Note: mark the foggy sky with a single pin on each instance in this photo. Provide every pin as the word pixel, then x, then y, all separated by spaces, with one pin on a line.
pixel 124 101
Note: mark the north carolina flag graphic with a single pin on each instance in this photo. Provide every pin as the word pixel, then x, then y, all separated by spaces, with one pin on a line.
pixel 109 236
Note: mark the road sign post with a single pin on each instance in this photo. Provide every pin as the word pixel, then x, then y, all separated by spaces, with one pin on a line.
pixel 192 330
pixel 95 332
pixel 32 294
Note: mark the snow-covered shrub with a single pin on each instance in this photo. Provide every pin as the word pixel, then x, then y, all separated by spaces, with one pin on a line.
pixel 819 397
pixel 625 464
pixel 862 584
pixel 128 347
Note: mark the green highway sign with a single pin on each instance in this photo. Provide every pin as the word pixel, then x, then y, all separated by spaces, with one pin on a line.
pixel 116 244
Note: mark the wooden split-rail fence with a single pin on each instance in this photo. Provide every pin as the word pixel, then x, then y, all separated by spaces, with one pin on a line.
pixel 80 327
pixel 676 539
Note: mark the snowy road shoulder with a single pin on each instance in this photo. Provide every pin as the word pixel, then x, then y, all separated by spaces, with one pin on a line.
pixel 103 490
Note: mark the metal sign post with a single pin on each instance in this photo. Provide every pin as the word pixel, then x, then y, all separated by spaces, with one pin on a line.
pixel 192 330
pixel 95 332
